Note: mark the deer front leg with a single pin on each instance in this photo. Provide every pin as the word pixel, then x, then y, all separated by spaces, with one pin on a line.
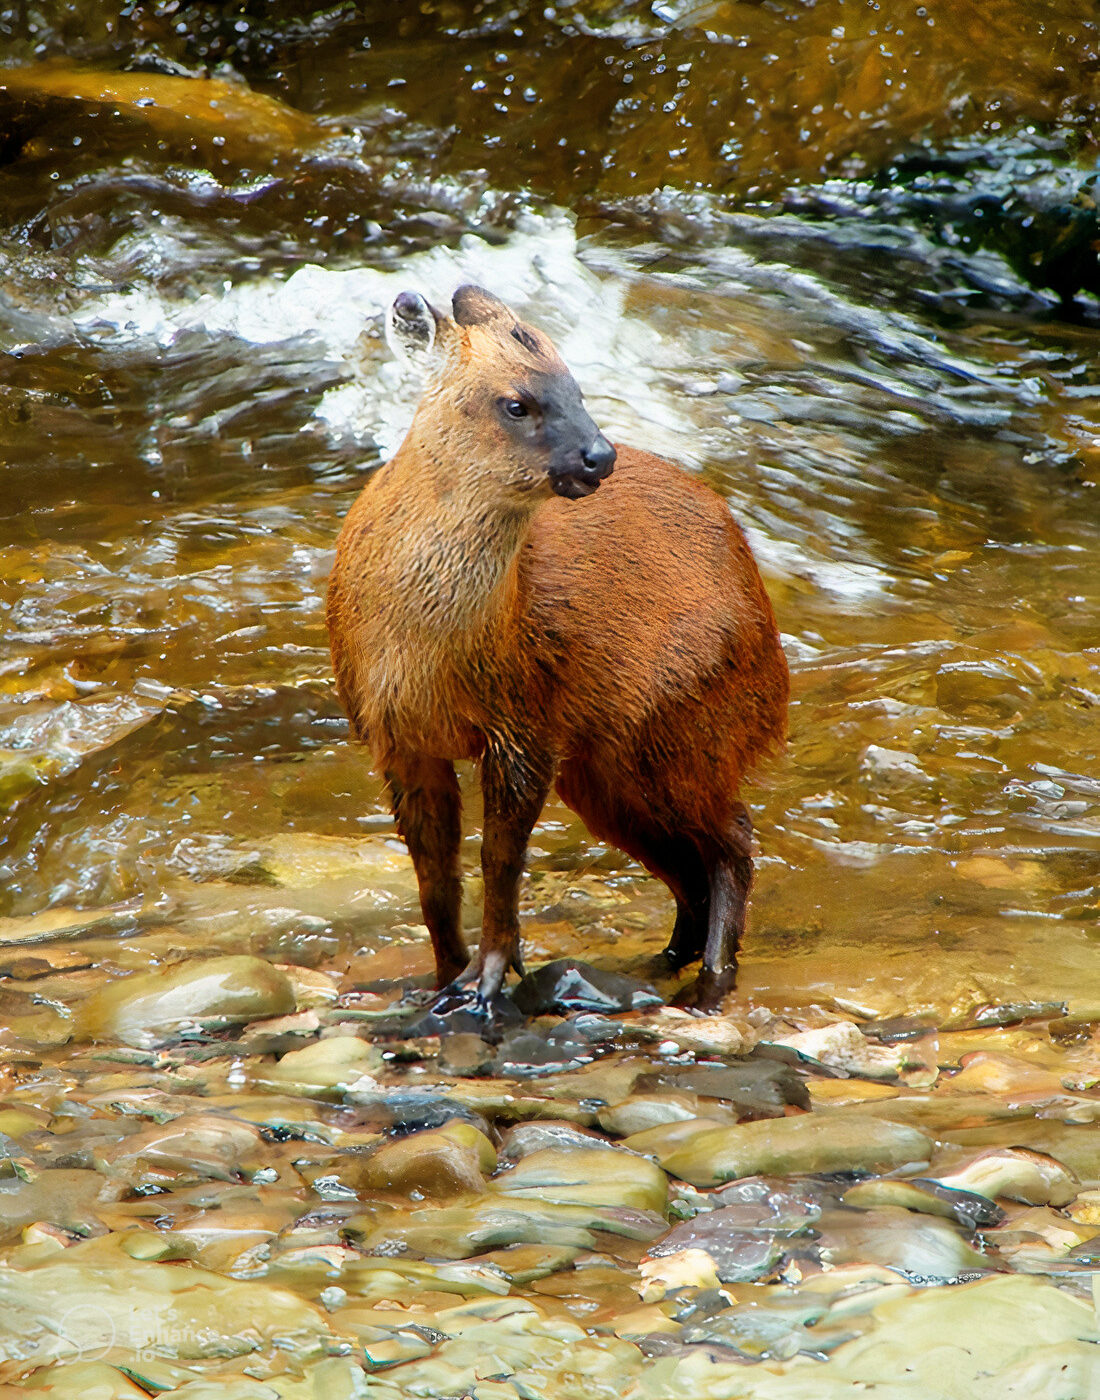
pixel 428 809
pixel 514 797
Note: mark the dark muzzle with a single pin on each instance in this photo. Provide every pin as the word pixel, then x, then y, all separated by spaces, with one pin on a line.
pixel 583 471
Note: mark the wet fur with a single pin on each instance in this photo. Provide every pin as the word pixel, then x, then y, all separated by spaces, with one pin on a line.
pixel 621 646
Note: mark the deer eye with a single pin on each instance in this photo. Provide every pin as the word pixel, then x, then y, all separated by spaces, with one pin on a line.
pixel 515 408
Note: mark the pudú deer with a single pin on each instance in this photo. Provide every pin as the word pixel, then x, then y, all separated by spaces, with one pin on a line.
pixel 500 594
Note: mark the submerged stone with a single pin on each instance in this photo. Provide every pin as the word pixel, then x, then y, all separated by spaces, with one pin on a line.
pixel 148 1008
pixel 807 1143
pixel 438 1163
pixel 922 1247
pixel 334 1064
pixel 1017 1174
pixel 463 1053
pixel 495 1221
pixel 66 1197
pixel 95 1295
pixel 568 985
pixel 592 1176
pixel 761 1087
pixel 927 1198
pixel 195 1147
pixel 738 1254
pixel 641 1112
pixel 523 1139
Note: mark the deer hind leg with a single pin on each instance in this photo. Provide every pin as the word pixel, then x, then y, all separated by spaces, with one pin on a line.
pixel 730 879
pixel 669 856
pixel 428 809
pixel 676 862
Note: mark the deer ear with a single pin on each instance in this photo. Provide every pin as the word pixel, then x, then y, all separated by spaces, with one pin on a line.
pixel 416 332
pixel 474 306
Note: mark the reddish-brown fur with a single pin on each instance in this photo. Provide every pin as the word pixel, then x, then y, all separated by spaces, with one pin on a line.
pixel 621 646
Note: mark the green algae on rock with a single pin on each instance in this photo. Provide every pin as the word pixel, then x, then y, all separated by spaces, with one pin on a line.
pixel 806 1143
pixel 148 1008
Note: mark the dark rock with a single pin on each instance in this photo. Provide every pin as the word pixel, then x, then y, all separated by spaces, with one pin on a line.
pixel 464 1055
pixel 969 1208
pixel 528 1053
pixel 569 985
pixel 761 1088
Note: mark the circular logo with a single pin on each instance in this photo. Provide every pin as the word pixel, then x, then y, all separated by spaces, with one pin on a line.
pixel 89 1331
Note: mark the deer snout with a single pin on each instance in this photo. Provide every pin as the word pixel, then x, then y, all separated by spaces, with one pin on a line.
pixel 583 470
pixel 599 457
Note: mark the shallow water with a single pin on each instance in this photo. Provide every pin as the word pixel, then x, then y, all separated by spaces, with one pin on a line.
pixel 905 421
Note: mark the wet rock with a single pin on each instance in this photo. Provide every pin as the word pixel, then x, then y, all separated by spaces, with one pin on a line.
pixel 774 1327
pixel 807 1143
pixel 464 1054
pixel 738 1254
pixel 526 1138
pixel 641 1112
pixel 461 1016
pixel 195 1147
pixel 330 1066
pixel 683 1268
pixel 96 1295
pixel 922 1247
pixel 437 1164
pixel 219 117
pixel 772 1203
pixel 986 1072
pixel 968 1208
pixel 590 1176
pixel 758 1087
pixel 706 1035
pixel 838 1093
pixel 662 1141
pixel 1016 1174
pixel 496 1221
pixel 843 1046
pixel 983 1338
pixel 146 1009
pixel 66 1197
pixel 525 1053
pixel 567 985
pixel 1085 1208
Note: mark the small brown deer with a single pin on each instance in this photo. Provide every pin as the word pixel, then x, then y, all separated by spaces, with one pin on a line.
pixel 499 595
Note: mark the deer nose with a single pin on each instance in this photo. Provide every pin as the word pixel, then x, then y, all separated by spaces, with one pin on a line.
pixel 599 456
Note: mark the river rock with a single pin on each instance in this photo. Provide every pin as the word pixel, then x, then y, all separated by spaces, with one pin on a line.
pixel 439 1163
pixel 922 1247
pixel 67 1197
pixel 1016 1174
pixel 332 1065
pixel 760 1087
pixel 95 1295
pixel 927 1198
pixel 196 1147
pixel 640 1112
pixel 843 1046
pixel 589 1176
pixel 149 1008
pixel 568 985
pixel 807 1143
pixel 523 1139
